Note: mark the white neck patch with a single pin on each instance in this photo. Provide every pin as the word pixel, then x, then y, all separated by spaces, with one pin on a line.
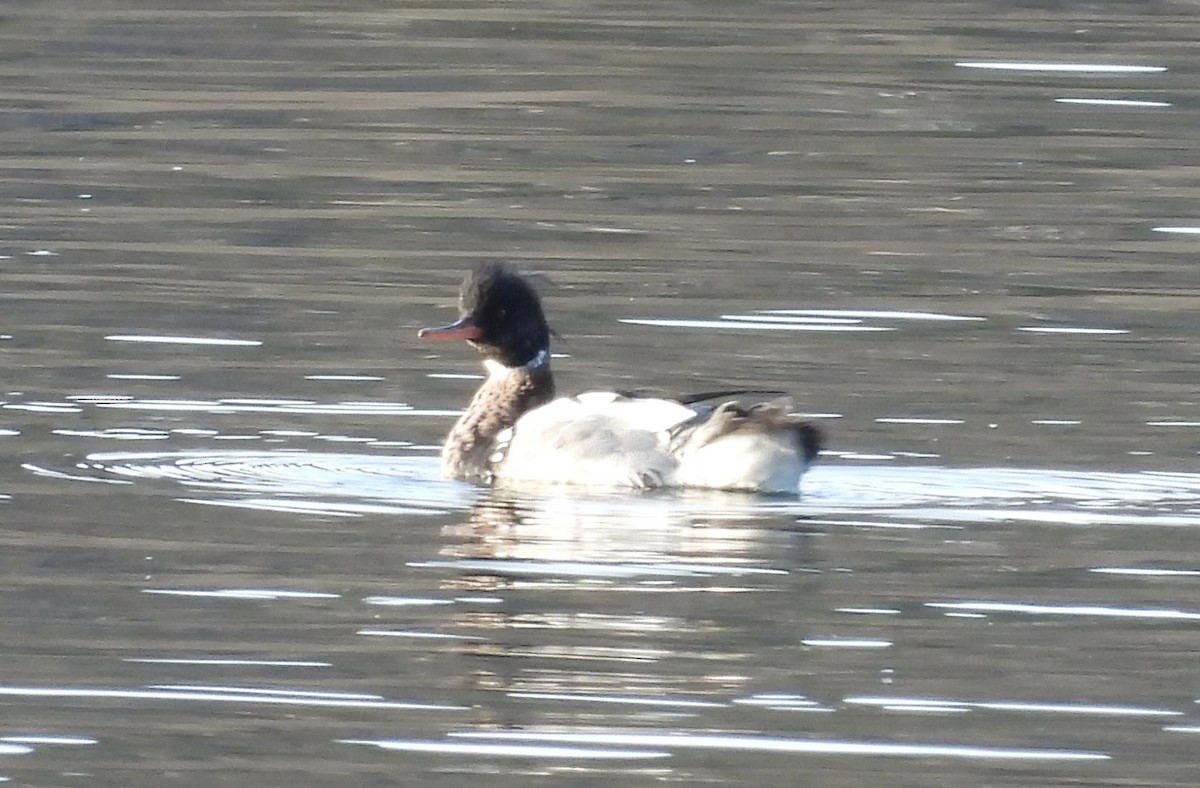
pixel 497 370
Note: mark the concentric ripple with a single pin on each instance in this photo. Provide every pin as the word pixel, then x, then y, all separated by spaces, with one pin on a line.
pixel 348 484
pixel 889 485
pixel 954 496
pixel 356 484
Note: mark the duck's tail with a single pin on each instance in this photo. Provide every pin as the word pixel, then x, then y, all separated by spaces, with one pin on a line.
pixel 762 448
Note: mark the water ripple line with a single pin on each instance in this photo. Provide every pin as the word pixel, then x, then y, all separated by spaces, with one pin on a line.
pixel 752 743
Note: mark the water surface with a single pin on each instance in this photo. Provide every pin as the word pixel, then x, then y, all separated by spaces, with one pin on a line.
pixel 961 236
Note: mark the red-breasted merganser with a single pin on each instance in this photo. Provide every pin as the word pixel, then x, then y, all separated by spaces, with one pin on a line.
pixel 515 430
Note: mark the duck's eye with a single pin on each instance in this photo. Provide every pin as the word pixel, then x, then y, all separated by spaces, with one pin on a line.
pixel 502 313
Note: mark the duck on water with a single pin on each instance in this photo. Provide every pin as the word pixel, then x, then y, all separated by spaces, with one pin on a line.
pixel 515 430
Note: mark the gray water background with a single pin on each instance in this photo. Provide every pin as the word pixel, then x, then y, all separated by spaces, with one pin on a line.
pixel 226 555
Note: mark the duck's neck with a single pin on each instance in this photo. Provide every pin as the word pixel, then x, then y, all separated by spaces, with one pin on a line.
pixel 503 398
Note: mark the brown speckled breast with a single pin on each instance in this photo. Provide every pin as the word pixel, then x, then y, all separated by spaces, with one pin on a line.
pixel 496 406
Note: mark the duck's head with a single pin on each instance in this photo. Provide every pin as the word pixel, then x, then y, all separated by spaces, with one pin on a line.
pixel 501 316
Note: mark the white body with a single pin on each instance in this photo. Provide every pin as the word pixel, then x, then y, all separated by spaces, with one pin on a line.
pixel 603 439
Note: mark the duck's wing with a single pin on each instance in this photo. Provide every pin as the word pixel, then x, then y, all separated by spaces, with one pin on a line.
pixel 763 448
pixel 601 439
pixel 693 398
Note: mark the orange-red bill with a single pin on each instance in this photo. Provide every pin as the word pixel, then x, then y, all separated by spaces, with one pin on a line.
pixel 464 328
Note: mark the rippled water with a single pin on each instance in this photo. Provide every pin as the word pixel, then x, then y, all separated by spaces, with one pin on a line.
pixel 961 235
